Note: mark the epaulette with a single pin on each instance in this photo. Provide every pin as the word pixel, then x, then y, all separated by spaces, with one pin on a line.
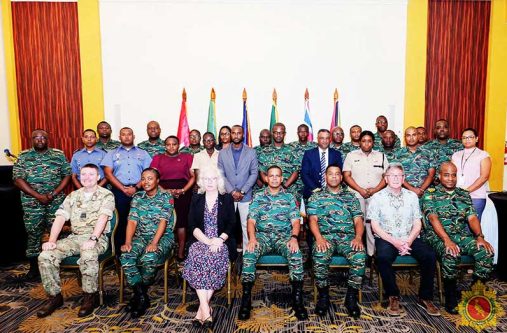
pixel 318 189
pixel 57 150
pixel 24 152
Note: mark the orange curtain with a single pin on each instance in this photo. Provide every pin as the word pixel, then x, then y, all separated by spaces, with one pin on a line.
pixel 458 33
pixel 48 72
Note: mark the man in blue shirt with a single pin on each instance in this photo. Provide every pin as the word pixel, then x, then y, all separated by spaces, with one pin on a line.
pixel 88 154
pixel 123 167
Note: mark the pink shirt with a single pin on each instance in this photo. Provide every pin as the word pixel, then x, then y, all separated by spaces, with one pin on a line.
pixel 468 162
pixel 177 167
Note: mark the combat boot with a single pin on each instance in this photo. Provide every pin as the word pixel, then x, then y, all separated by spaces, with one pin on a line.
pixel 451 299
pixel 90 302
pixel 351 303
pixel 323 303
pixel 53 303
pixel 298 305
pixel 143 303
pixel 246 301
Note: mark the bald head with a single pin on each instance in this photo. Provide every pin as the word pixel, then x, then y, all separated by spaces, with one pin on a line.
pixel 411 138
pixel 448 175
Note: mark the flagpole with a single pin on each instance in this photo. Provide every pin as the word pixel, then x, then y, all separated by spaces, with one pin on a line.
pixel 183 128
pixel 274 110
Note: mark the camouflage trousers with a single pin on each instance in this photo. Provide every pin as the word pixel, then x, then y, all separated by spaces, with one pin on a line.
pixel 38 218
pixel 140 266
pixel 272 244
pixel 468 246
pixel 49 263
pixel 340 245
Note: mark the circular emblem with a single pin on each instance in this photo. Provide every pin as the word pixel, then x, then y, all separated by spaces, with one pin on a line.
pixel 478 308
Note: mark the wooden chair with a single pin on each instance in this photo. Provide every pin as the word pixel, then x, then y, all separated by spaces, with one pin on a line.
pixel 466 262
pixel 104 259
pixel 229 292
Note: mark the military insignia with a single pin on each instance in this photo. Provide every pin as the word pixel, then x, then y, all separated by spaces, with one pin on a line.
pixel 479 308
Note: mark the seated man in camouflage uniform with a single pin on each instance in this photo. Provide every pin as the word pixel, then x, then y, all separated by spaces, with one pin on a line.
pixel 273 227
pixel 89 209
pixel 149 239
pixel 336 221
pixel 449 211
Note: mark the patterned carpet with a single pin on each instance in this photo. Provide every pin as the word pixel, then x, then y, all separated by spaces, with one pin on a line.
pixel 19 303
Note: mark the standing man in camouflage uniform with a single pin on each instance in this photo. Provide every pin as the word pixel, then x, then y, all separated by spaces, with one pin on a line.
pixel 382 124
pixel 336 221
pixel 337 136
pixel 299 147
pixel 450 216
pixel 282 155
pixel 41 173
pixel 264 140
pixel 422 135
pixel 195 143
pixel 149 240
pixel 89 209
pixel 105 142
pixel 442 147
pixel 417 163
pixel 154 145
pixel 347 147
pixel 88 154
pixel 273 227
pixel 387 146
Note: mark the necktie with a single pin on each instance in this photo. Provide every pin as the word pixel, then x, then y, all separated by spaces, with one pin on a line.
pixel 323 169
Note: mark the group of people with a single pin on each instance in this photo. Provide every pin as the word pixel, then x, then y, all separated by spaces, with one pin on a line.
pixel 365 198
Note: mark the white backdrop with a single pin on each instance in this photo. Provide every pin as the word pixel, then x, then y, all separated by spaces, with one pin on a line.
pixel 152 49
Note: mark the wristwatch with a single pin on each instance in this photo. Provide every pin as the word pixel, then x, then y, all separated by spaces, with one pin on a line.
pixel 479 235
pixel 242 192
pixel 94 238
pixel 294 236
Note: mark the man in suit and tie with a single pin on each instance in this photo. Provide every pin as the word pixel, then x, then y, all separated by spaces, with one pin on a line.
pixel 238 164
pixel 315 162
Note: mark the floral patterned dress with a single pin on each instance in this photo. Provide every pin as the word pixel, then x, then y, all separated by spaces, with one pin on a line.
pixel 204 269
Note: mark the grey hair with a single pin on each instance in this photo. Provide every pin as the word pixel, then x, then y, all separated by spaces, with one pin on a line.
pixel 211 168
pixel 394 165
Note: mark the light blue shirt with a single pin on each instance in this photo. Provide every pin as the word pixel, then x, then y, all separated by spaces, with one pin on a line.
pixel 82 157
pixel 127 164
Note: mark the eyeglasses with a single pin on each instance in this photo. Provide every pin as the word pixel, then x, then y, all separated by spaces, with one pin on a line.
pixel 395 176
pixel 468 137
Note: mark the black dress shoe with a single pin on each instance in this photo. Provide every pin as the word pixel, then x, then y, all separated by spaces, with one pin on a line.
pixel 52 304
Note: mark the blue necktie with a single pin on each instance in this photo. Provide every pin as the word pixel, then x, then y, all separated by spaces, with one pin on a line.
pixel 323 169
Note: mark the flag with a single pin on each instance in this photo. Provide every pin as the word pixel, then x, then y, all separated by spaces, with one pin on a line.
pixel 335 119
pixel 212 122
pixel 307 120
pixel 183 128
pixel 274 112
pixel 247 135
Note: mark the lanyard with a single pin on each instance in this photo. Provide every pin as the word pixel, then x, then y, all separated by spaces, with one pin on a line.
pixel 466 160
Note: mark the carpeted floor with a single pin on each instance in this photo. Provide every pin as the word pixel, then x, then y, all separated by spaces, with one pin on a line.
pixel 19 303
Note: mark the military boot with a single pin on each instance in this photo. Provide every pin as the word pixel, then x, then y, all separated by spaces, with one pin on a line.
pixel 323 303
pixel 143 303
pixel 451 299
pixel 90 302
pixel 351 303
pixel 298 305
pixel 246 301
pixel 53 303
pixel 33 273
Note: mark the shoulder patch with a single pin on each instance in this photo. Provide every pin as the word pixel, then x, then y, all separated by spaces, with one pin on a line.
pixel 24 151
pixel 57 150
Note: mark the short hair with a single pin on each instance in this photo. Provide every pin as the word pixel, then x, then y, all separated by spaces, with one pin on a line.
pixel 172 137
pixel 195 130
pixel 89 130
pixel 127 128
pixel 305 126
pixel 220 178
pixel 442 119
pixel 154 170
pixel 237 126
pixel 365 133
pixel 323 130
pixel 333 166
pixel 421 127
pixel 395 165
pixel 473 130
pixel 91 166
pixel 221 128
pixel 356 125
pixel 274 167
pixel 209 133
pixel 103 122
pixel 279 124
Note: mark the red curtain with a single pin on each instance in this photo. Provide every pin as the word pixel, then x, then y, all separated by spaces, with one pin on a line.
pixel 48 72
pixel 457 60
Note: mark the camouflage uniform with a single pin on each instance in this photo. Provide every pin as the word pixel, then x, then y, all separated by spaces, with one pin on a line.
pixel 441 152
pixel 298 151
pixel 153 148
pixel 336 213
pixel 83 214
pixel 43 172
pixel 190 150
pixel 284 157
pixel 147 212
pixel 453 210
pixel 109 145
pixel 273 215
pixel 390 155
pixel 346 148
pixel 415 165
pixel 377 145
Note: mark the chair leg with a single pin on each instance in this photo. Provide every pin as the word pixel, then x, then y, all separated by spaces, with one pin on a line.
pixel 439 284
pixel 166 278
pixel 229 285
pixel 101 283
pixel 121 284
pixel 380 289
pixel 184 294
pixel 314 293
pixel 360 296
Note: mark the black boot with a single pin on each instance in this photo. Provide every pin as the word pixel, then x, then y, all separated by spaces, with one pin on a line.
pixel 298 305
pixel 33 273
pixel 90 302
pixel 246 301
pixel 143 302
pixel 323 303
pixel 351 303
pixel 451 300
pixel 53 303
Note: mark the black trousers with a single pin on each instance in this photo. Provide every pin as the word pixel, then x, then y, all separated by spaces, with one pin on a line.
pixel 122 203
